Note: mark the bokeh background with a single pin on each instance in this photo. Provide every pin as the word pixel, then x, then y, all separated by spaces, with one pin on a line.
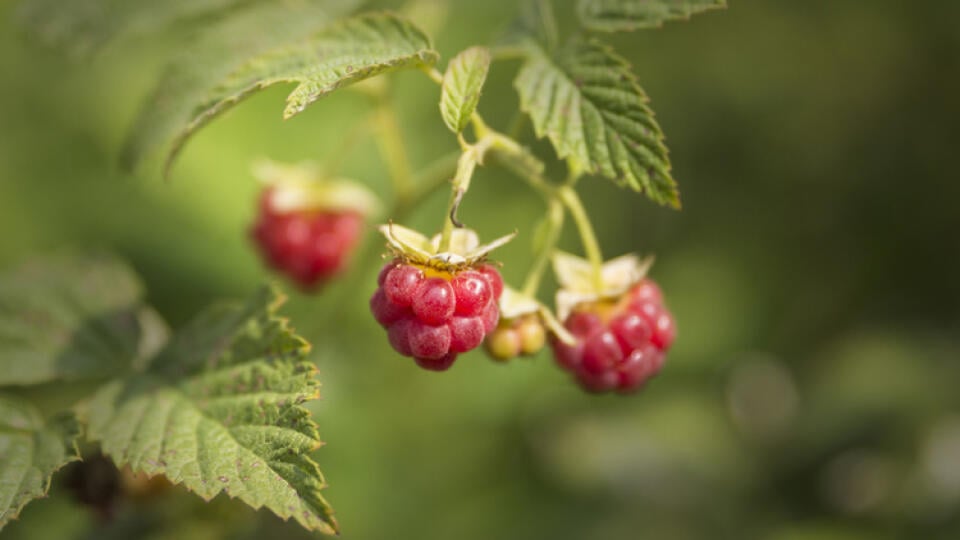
pixel 814 272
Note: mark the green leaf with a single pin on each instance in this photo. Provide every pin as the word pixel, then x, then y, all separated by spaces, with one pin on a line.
pixel 220 410
pixel 83 27
pixel 588 103
pixel 628 15
pixel 68 317
pixel 195 90
pixel 32 450
pixel 462 84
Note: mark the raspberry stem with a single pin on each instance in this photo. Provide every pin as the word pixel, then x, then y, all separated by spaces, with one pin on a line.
pixel 552 235
pixel 587 236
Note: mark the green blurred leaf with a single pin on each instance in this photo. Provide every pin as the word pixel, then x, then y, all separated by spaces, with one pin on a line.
pixel 332 56
pixel 220 409
pixel 628 15
pixel 68 317
pixel 82 27
pixel 588 103
pixel 32 450
pixel 462 84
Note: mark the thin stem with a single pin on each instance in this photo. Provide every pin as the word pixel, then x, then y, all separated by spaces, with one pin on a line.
pixel 551 236
pixel 393 149
pixel 587 236
pixel 461 183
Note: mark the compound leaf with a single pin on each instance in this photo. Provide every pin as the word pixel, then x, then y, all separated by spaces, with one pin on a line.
pixel 32 450
pixel 588 103
pixel 67 317
pixel 220 410
pixel 305 48
pixel 628 15
pixel 462 83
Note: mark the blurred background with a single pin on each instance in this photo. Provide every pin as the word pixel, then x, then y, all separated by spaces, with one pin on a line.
pixel 814 272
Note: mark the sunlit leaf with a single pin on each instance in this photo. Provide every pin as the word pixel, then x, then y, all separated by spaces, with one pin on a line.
pixel 588 103
pixel 244 56
pixel 462 83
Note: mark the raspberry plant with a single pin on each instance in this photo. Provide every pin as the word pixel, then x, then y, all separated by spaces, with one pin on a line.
pixel 217 406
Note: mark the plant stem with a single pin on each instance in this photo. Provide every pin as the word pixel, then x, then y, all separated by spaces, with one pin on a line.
pixel 587 236
pixel 467 163
pixel 551 236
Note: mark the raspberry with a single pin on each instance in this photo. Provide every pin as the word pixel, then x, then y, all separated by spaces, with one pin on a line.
pixel 524 335
pixel 309 246
pixel 621 343
pixel 493 276
pixel 434 315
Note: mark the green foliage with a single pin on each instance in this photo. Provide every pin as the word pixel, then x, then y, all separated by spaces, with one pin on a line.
pixel 301 46
pixel 82 27
pixel 216 408
pixel 587 102
pixel 219 410
pixel 32 449
pixel 70 317
pixel 628 15
pixel 462 84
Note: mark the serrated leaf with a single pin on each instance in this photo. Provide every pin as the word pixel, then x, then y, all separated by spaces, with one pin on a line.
pixel 83 27
pixel 462 84
pixel 628 15
pixel 332 56
pixel 588 103
pixel 220 410
pixel 67 317
pixel 218 50
pixel 32 450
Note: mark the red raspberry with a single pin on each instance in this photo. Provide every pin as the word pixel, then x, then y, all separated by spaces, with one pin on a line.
pixel 309 246
pixel 621 343
pixel 434 315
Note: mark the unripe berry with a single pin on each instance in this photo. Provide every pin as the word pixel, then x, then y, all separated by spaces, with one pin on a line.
pixel 503 344
pixel 532 336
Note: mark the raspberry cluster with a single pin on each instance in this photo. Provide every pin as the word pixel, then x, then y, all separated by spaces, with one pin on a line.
pixel 520 336
pixel 309 246
pixel 434 315
pixel 620 343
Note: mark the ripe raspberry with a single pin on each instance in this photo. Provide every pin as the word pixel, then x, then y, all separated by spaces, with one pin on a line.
pixel 433 315
pixel 621 343
pixel 310 246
